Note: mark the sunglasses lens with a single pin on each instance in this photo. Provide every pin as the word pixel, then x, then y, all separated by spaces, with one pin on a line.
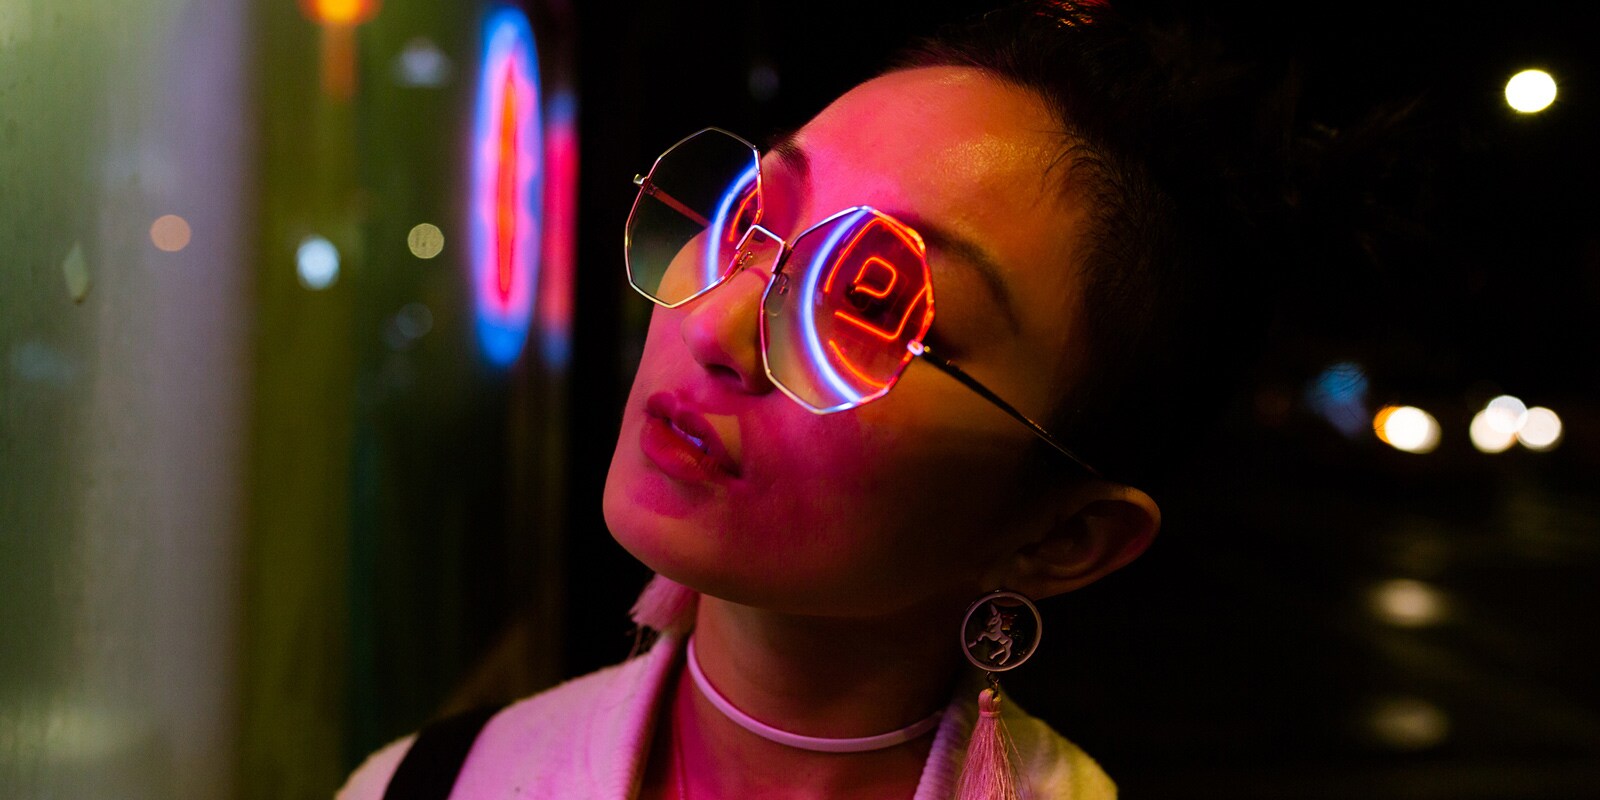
pixel 853 294
pixel 696 204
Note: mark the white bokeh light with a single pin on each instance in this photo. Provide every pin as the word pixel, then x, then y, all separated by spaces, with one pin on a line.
pixel 1486 437
pixel 1410 429
pixel 1531 91
pixel 317 262
pixel 1542 431
pixel 1506 414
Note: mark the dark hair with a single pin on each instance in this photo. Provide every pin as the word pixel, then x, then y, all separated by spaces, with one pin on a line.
pixel 1183 158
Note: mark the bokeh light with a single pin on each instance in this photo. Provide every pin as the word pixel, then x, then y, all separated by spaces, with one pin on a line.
pixel 422 64
pixel 1408 723
pixel 317 262
pixel 1531 91
pixel 763 82
pixel 1380 423
pixel 1542 430
pixel 425 240
pixel 170 233
pixel 1486 437
pixel 1339 395
pixel 340 12
pixel 1506 414
pixel 412 322
pixel 1407 428
pixel 1407 603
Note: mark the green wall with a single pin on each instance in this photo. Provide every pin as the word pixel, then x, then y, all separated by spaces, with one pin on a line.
pixel 123 395
pixel 250 531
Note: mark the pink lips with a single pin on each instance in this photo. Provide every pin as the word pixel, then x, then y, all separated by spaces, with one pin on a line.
pixel 682 443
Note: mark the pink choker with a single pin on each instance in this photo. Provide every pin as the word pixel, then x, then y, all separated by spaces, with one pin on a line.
pixel 861 744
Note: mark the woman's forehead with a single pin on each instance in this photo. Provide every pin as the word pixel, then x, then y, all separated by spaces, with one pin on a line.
pixel 939 129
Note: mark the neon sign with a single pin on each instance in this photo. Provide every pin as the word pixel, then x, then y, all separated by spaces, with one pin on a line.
pixel 507 186
pixel 554 310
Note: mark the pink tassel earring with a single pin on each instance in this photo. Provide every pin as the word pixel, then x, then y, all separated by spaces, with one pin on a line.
pixel 1001 630
pixel 666 606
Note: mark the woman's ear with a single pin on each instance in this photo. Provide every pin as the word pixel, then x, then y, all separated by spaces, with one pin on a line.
pixel 1098 528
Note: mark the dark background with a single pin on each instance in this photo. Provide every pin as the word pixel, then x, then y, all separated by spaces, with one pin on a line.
pixel 1248 653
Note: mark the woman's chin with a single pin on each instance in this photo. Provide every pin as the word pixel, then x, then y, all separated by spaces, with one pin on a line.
pixel 657 540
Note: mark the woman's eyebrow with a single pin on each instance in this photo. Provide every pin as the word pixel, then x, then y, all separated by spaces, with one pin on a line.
pixel 967 251
pixel 794 158
pixel 791 156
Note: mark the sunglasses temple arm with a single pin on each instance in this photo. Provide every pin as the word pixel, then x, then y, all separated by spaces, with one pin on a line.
pixel 643 182
pixel 972 383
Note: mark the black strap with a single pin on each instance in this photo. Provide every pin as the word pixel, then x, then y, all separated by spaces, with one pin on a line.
pixel 429 770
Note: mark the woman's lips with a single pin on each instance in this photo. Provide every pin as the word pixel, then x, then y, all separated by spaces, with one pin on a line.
pixel 682 443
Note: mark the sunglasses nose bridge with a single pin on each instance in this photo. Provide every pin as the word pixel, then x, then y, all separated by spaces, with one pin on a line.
pixel 759 244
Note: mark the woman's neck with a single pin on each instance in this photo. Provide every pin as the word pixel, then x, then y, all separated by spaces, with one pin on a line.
pixel 827 677
pixel 816 677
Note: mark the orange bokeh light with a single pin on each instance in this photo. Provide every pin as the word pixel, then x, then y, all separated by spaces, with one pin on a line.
pixel 340 12
pixel 339 19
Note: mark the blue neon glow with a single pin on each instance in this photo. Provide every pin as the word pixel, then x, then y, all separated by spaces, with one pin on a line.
pixel 713 264
pixel 504 311
pixel 808 312
pixel 1339 395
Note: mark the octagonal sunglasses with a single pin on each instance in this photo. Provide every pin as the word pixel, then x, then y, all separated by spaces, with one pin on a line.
pixel 848 301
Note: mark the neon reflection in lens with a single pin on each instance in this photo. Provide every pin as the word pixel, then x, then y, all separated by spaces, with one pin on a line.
pixel 894 274
pixel 738 190
pixel 808 314
pixel 854 370
pixel 861 286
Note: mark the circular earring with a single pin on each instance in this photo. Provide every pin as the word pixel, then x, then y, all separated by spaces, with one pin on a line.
pixel 1000 631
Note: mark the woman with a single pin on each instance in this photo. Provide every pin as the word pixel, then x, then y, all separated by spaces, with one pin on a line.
pixel 1074 250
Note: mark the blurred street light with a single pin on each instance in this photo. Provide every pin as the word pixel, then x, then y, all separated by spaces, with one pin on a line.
pixel 1531 91
pixel 1407 428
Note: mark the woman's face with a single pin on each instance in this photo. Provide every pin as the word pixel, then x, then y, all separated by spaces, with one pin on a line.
pixel 908 499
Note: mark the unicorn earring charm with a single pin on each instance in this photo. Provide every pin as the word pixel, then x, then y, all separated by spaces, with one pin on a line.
pixel 1001 630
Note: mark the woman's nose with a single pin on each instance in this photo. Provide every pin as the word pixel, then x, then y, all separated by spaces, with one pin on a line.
pixel 722 331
